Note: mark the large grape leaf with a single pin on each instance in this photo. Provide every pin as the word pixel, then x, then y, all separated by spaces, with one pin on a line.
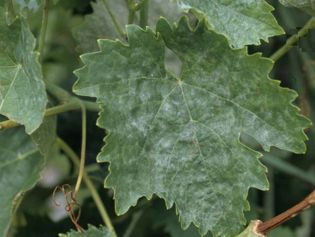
pixel 20 167
pixel 244 22
pixel 179 136
pixel 91 232
pixel 22 90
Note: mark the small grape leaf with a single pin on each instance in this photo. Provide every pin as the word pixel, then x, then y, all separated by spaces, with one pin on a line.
pixel 282 232
pixel 26 5
pixel 243 22
pixel 22 90
pixel 16 8
pixel 250 231
pixel 91 232
pixel 169 222
pixel 99 24
pixel 21 163
pixel 45 136
pixel 178 137
pixel 305 5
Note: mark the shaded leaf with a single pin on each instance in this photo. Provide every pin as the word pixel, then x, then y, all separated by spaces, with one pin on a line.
pixel 243 22
pixel 91 232
pixel 26 5
pixel 305 5
pixel 162 8
pixel 20 166
pixel 29 4
pixel 169 222
pixel 178 137
pixel 281 232
pixel 45 135
pixel 22 90
pixel 99 24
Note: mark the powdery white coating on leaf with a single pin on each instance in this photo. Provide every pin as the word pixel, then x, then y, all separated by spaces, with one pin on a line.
pixel 22 90
pixel 243 22
pixel 178 137
pixel 20 167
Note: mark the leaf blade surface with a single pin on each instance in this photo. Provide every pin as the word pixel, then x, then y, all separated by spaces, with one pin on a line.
pixel 91 232
pixel 178 137
pixel 22 91
pixel 20 166
pixel 244 22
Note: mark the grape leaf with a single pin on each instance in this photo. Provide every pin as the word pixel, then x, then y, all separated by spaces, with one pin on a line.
pixel 20 166
pixel 178 137
pixel 305 5
pixel 250 231
pixel 99 24
pixel 15 8
pixel 91 232
pixel 169 222
pixel 243 22
pixel 282 232
pixel 32 5
pixel 45 136
pixel 22 90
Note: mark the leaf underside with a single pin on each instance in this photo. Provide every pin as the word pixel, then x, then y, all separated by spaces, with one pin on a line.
pixel 22 90
pixel 243 22
pixel 178 136
pixel 20 167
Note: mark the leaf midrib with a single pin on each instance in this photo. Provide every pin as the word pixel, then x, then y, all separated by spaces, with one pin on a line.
pixel 19 158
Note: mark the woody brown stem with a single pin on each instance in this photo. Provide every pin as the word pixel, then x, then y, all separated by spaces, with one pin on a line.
pixel 266 226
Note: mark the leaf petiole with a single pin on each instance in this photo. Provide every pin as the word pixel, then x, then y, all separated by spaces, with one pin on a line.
pixel 42 36
pixel 293 39
pixel 83 149
pixel 69 106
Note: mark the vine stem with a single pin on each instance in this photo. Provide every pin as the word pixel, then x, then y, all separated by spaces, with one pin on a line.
pixel 135 218
pixel 73 104
pixel 266 226
pixel 83 149
pixel 144 13
pixel 293 39
pixel 42 36
pixel 88 182
pixel 132 11
pixel 115 22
